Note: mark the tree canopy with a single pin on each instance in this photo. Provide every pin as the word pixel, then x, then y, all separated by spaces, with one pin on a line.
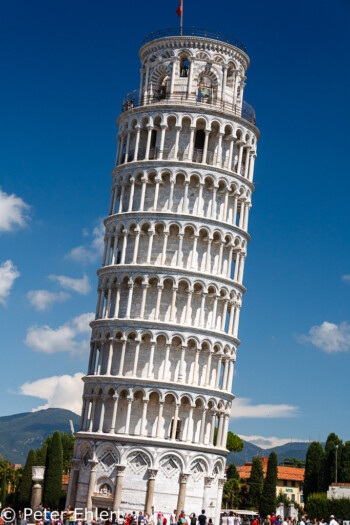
pixel 268 497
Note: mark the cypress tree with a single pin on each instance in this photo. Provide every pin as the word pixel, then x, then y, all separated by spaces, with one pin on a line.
pixel 231 487
pixel 25 488
pixel 53 474
pixel 232 472
pixel 256 482
pixel 3 489
pixel 329 462
pixel 345 464
pixel 268 497
pixel 313 479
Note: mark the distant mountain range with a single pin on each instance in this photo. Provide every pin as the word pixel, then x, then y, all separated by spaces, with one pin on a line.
pixel 289 450
pixel 21 432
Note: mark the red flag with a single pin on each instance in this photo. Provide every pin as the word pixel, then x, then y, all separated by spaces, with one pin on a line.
pixel 179 9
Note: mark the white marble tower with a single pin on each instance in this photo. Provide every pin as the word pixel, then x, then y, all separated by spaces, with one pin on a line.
pixel 170 289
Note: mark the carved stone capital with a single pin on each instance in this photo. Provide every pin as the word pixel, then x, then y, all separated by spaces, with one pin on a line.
pixel 152 473
pixel 208 481
pixel 120 470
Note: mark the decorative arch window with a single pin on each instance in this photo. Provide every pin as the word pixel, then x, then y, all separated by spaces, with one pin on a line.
pixel 230 76
pixel 199 139
pixel 184 66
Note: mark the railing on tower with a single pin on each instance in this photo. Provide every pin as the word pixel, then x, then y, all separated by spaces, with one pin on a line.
pixel 194 31
pixel 134 100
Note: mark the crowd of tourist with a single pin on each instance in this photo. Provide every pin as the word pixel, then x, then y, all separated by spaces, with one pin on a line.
pixel 69 517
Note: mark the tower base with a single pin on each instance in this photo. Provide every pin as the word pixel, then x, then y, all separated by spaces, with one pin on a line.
pixel 124 477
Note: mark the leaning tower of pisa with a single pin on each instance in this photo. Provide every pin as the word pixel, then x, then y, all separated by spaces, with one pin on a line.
pixel 157 395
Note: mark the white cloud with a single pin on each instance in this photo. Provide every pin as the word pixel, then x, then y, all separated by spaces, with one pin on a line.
pixel 13 212
pixel 81 286
pixel 59 391
pixel 8 275
pixel 346 278
pixel 62 339
pixel 43 299
pixel 242 408
pixel 269 442
pixel 90 252
pixel 329 337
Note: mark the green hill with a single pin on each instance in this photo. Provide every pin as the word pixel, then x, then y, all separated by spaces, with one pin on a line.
pixel 21 432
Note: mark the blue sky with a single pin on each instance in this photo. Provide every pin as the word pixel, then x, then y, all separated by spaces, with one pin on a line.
pixel 65 68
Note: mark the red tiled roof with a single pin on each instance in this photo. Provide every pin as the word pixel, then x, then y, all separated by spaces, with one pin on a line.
pixel 287 473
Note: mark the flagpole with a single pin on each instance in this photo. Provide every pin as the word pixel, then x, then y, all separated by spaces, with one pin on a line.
pixel 182 13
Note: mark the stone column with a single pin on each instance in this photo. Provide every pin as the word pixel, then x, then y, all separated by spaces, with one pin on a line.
pixel 127 146
pixel 221 483
pixel 208 256
pixel 143 299
pixel 92 415
pixel 136 358
pixel 128 414
pixel 246 166
pixel 166 360
pixel 219 155
pixel 190 153
pixel 110 357
pixel 150 243
pixel 159 296
pixel 240 154
pixel 73 483
pixel 162 139
pixel 125 240
pixel 152 473
pixel 118 487
pixel 86 413
pixel 194 252
pixel 185 201
pixel 129 303
pixel 157 180
pixel 122 358
pixel 181 500
pixel 234 211
pixel 143 192
pixel 151 357
pixel 121 208
pixel 223 321
pixel 195 367
pixel 160 416
pixel 165 243
pixel 176 416
pixel 102 413
pixel 214 319
pixel 235 324
pixel 136 247
pixel 137 142
pixel 189 424
pixel 114 414
pixel 173 305
pixel 188 307
pixel 91 488
pixel 37 476
pixel 148 144
pixel 218 372
pixel 177 137
pixel 207 375
pixel 171 195
pixel 202 429
pixel 182 363
pixel 131 197
pixel 207 485
pixel 205 148
pixel 143 418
